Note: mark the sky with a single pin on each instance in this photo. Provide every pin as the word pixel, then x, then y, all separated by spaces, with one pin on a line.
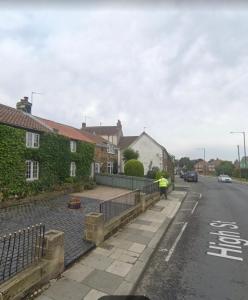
pixel 179 74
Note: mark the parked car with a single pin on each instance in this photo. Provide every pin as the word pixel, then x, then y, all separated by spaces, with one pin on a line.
pixel 224 178
pixel 191 176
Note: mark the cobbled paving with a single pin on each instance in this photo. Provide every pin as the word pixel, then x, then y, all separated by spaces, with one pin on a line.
pixel 54 214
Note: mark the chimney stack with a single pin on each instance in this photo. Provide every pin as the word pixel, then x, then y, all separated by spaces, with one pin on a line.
pixel 83 125
pixel 24 105
pixel 119 124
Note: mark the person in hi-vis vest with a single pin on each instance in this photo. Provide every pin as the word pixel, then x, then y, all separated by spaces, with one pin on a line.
pixel 163 184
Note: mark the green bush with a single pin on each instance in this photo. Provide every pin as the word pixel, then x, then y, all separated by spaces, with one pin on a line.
pixel 134 167
pixel 152 173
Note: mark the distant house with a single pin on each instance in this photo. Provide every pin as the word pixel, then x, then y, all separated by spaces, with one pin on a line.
pixel 201 167
pixel 106 155
pixel 151 153
pixel 109 133
pixel 40 151
pixel 112 134
pixel 212 164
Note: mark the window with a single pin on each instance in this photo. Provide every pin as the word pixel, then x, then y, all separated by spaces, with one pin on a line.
pixel 32 140
pixel 111 148
pixel 32 170
pixel 110 167
pixel 73 169
pixel 73 146
pixel 97 168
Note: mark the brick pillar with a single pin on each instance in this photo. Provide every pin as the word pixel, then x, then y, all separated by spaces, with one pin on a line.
pixel 94 228
pixel 54 252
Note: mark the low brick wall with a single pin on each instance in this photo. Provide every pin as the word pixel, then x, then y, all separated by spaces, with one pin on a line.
pixel 97 231
pixel 50 266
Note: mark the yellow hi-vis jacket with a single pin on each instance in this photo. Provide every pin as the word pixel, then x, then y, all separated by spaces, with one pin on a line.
pixel 163 182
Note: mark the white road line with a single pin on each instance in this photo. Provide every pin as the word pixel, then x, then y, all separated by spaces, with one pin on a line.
pixel 200 196
pixel 194 208
pixel 172 249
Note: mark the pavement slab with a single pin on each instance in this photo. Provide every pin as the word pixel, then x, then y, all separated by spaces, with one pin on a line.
pixel 66 289
pixel 97 261
pixel 119 268
pixel 103 281
pixel 94 295
pixel 116 265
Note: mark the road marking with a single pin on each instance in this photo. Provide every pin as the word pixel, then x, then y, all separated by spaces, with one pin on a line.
pixel 194 208
pixel 172 249
pixel 200 196
pixel 163 250
pixel 179 223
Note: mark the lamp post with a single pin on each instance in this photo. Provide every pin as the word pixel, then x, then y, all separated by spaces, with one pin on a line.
pixel 242 132
pixel 204 157
pixel 239 161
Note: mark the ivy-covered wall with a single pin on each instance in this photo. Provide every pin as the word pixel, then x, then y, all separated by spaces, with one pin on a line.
pixel 54 157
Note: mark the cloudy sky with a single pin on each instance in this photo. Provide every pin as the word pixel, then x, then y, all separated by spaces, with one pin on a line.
pixel 181 74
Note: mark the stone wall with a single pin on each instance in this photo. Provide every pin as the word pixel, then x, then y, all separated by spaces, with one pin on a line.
pixel 50 266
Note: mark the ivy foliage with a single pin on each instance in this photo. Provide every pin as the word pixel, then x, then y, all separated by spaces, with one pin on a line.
pixel 54 157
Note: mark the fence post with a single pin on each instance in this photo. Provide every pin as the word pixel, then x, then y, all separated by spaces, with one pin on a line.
pixel 94 228
pixel 54 252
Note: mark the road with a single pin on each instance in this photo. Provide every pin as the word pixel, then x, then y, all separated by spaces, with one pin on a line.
pixel 204 255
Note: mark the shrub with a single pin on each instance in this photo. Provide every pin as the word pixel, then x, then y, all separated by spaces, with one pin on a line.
pixel 134 167
pixel 152 173
pixel 129 154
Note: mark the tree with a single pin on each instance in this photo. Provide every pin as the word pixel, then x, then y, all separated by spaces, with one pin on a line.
pixel 225 167
pixel 134 167
pixel 130 154
pixel 186 163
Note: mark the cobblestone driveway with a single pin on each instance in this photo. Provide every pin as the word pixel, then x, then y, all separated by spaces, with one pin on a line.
pixel 55 215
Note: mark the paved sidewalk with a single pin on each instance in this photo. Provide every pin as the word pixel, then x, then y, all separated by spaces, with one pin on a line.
pixel 115 266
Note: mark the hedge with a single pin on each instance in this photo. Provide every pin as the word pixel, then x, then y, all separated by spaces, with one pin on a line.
pixel 134 167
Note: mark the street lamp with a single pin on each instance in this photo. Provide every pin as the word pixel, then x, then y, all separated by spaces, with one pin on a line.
pixel 204 157
pixel 242 132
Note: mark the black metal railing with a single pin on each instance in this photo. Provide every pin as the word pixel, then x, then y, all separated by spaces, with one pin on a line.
pixel 150 188
pixel 114 207
pixel 20 249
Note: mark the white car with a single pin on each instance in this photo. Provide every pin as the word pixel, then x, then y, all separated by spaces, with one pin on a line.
pixel 224 178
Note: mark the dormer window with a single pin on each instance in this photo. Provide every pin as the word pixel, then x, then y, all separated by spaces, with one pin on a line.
pixel 32 140
pixel 73 146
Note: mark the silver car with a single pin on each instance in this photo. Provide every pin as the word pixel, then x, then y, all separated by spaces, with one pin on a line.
pixel 224 178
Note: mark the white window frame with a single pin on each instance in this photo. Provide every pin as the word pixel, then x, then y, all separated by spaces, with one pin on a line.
pixel 73 169
pixel 73 146
pixel 111 148
pixel 32 175
pixel 97 168
pixel 32 140
pixel 110 167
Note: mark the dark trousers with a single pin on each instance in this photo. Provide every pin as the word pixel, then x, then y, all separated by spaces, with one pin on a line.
pixel 163 191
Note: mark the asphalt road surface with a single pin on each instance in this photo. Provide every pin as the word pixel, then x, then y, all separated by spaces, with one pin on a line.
pixel 204 255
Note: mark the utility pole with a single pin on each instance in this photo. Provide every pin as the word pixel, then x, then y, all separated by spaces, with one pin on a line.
pixel 239 162
pixel 243 133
